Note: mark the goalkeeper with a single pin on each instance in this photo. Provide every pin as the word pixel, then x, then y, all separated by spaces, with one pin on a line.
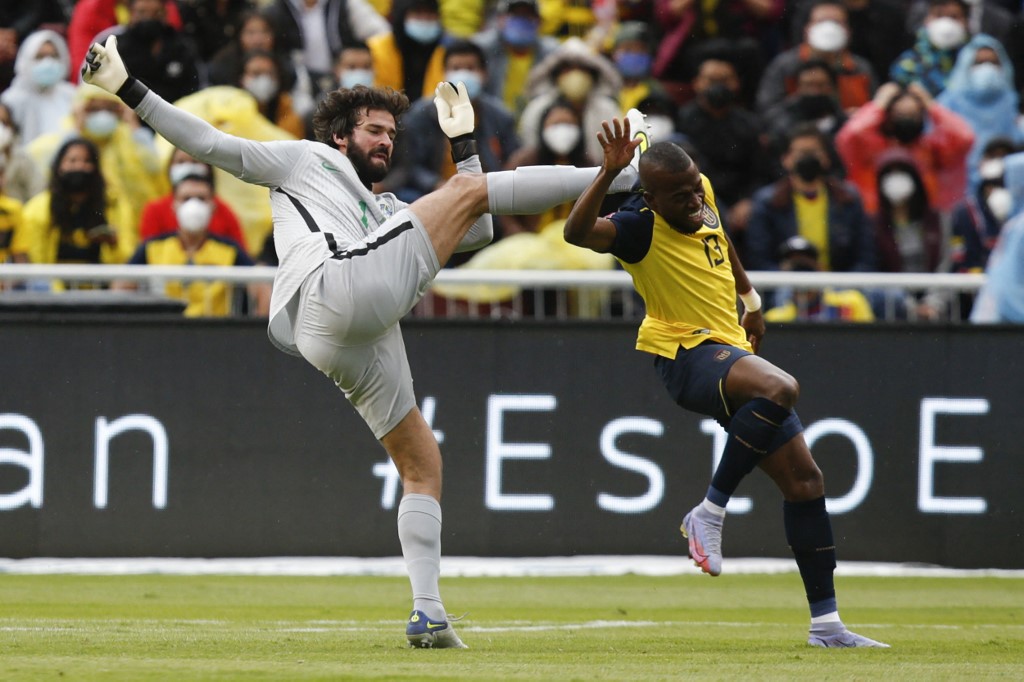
pixel 352 263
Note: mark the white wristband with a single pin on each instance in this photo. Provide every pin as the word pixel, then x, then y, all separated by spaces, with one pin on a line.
pixel 751 301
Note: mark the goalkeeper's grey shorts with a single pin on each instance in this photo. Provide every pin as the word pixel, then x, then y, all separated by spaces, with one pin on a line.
pixel 348 313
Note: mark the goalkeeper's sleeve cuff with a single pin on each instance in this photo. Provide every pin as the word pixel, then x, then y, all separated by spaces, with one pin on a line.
pixel 132 92
pixel 463 147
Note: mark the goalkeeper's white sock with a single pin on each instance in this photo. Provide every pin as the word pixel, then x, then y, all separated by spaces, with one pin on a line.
pixel 419 531
pixel 535 189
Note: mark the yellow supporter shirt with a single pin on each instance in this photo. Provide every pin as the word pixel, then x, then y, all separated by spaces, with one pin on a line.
pixel 812 222
pixel 203 299
pixel 519 66
pixel 10 222
pixel 686 280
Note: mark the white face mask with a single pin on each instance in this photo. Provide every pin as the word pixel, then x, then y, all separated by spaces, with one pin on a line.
pixel 999 202
pixel 898 187
pixel 179 171
pixel 990 169
pixel 827 36
pixel 263 87
pixel 194 215
pixel 561 137
pixel 47 72
pixel 6 136
pixel 946 33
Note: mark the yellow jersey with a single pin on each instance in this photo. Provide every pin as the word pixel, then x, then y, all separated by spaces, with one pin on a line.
pixel 202 299
pixel 686 280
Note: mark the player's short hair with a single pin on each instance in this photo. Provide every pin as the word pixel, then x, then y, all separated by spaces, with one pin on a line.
pixel 664 155
pixel 339 112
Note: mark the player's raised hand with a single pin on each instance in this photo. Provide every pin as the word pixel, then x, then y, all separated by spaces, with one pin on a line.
pixel 103 66
pixel 454 110
pixel 617 145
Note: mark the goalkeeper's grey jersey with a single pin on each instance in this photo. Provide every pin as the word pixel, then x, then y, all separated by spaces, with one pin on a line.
pixel 320 208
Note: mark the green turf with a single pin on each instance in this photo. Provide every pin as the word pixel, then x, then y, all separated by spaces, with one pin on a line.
pixel 749 627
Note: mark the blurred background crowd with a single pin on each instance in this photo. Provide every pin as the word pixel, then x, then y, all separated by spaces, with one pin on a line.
pixel 839 135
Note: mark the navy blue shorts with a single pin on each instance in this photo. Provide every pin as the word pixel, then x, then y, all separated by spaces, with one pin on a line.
pixel 696 381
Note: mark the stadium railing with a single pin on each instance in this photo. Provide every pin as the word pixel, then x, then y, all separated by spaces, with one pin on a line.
pixel 511 294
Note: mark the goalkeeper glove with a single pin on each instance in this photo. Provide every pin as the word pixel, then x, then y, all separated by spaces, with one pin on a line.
pixel 456 118
pixel 104 68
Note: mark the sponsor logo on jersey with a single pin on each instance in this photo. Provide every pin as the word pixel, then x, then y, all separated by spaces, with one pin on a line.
pixel 710 217
pixel 722 355
pixel 329 167
pixel 698 332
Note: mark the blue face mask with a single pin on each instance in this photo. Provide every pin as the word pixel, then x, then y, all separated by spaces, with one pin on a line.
pixel 47 72
pixel 474 83
pixel 520 31
pixel 101 124
pixel 423 31
pixel 354 77
pixel 986 78
pixel 633 64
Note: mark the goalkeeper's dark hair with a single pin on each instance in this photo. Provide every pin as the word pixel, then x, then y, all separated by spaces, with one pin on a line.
pixel 92 211
pixel 339 112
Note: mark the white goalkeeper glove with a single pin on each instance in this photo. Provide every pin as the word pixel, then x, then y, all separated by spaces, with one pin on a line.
pixel 454 110
pixel 103 66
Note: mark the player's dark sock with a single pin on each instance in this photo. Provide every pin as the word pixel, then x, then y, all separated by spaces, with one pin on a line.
pixel 751 432
pixel 809 534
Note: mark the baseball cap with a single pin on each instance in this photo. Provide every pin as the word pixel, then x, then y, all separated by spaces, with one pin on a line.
pixel 797 245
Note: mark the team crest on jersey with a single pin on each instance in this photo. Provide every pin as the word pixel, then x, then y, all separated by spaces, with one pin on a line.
pixel 710 217
pixel 386 208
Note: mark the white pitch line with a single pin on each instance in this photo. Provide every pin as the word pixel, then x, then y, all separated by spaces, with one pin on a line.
pixel 571 566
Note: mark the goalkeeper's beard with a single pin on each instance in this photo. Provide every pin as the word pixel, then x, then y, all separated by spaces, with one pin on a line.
pixel 369 168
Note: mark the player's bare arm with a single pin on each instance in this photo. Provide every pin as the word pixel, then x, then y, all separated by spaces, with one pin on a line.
pixel 584 227
pixel 753 315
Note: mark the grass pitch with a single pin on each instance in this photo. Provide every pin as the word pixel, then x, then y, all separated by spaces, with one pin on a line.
pixel 751 627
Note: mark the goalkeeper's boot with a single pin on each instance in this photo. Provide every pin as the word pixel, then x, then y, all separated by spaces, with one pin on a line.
pixel 703 529
pixel 426 633
pixel 638 128
pixel 841 638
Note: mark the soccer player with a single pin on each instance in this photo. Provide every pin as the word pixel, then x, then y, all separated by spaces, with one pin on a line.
pixel 352 263
pixel 670 238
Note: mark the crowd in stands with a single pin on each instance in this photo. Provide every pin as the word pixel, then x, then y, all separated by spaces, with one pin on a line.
pixel 840 135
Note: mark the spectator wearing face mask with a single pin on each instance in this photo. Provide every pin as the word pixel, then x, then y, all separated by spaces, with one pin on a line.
pixel 931 59
pixel 261 77
pixel 811 203
pixel 21 179
pixel 128 161
pixel 40 95
pixel 158 216
pixel 560 143
pixel 728 139
pixel 938 140
pixel 77 219
pixel 411 57
pixel 979 218
pixel 981 91
pixel 814 101
pixel 577 74
pixel 877 30
pixel 826 38
pixel 354 66
pixel 422 158
pixel 513 46
pixel 908 230
pixel 633 59
pixel 193 244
